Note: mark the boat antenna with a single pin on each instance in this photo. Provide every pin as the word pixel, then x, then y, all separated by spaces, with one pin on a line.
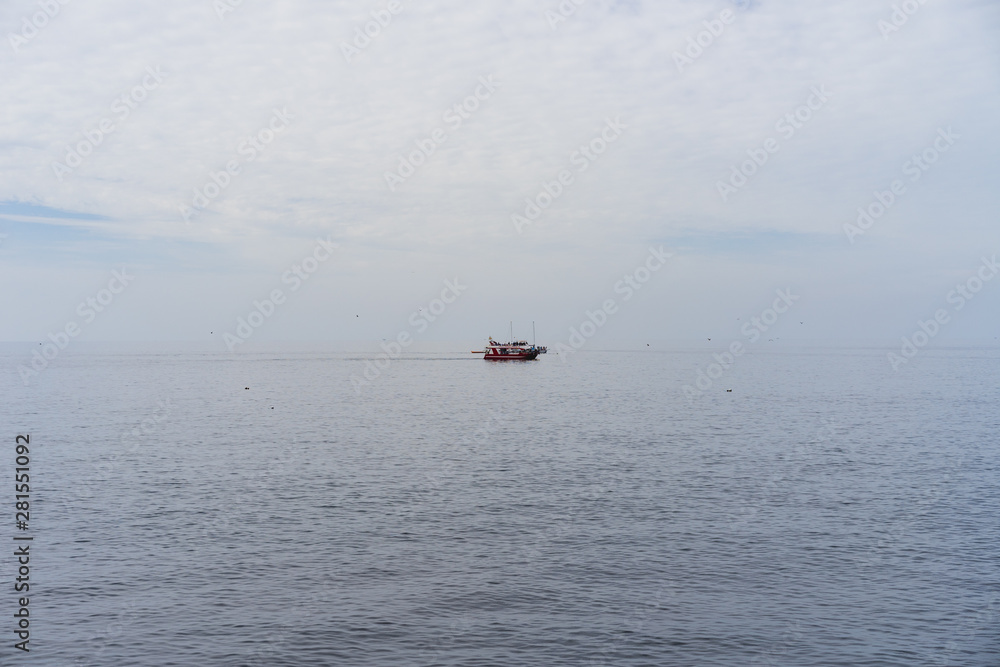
pixel 512 331
pixel 532 333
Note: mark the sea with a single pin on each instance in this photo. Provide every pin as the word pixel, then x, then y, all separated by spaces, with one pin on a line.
pixel 661 505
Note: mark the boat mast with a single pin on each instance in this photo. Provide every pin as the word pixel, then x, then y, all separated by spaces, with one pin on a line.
pixel 511 331
pixel 532 333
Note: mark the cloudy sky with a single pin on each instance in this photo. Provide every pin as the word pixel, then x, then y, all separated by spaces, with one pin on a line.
pixel 116 115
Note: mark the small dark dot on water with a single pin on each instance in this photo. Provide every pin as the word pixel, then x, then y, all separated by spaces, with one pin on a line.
pixel 246 387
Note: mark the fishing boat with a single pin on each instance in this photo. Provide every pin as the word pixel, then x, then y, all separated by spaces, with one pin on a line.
pixel 515 350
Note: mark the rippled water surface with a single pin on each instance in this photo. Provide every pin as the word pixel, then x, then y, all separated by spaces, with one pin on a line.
pixel 827 511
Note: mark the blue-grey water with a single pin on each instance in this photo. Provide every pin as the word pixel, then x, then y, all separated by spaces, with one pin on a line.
pixel 826 511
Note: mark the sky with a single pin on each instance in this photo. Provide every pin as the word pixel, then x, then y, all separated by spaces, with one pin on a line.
pixel 118 122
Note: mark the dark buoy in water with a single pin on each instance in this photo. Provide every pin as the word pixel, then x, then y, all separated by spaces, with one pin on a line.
pixel 729 391
pixel 246 387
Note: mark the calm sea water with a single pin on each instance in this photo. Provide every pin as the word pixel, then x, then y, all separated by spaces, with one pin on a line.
pixel 827 511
